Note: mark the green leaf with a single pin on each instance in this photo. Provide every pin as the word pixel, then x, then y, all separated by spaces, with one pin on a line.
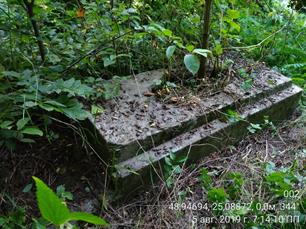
pixel 29 104
pixel 32 131
pixel 234 14
pixel 189 47
pixel 6 125
pixel 170 50
pixel 2 221
pixel 89 218
pixel 217 195
pixel 27 140
pixel 50 206
pixel 202 52
pixel 235 26
pixel 107 61
pixel 11 74
pixel 205 178
pixel 95 110
pixel 27 188
pixel 76 112
pixel 21 123
pixel 54 103
pixel 63 194
pixel 167 32
pixel 218 49
pixel 192 63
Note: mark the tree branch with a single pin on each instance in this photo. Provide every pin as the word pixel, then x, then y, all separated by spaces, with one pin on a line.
pixel 205 38
pixel 29 8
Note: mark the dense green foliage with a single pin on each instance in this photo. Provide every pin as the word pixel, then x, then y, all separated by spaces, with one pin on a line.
pixel 57 57
pixel 53 52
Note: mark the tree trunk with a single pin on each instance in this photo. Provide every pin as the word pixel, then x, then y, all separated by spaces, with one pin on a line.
pixel 29 8
pixel 205 37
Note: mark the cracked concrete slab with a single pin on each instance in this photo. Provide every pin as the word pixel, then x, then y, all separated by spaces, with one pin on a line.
pixel 208 138
pixel 133 123
pixel 136 132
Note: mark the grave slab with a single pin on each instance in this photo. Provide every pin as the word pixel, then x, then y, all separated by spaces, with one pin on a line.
pixel 210 137
pixel 133 122
pixel 136 132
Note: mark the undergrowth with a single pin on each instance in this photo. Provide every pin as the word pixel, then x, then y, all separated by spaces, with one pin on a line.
pixel 57 57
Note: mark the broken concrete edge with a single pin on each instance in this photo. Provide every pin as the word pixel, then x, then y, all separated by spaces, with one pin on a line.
pixel 149 166
pixel 122 152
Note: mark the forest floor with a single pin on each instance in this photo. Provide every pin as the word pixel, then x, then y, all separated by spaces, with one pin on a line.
pixel 63 161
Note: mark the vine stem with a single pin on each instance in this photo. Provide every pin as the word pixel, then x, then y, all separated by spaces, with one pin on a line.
pixel 267 38
pixel 260 43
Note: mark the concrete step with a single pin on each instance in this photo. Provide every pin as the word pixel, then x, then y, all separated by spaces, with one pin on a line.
pixel 213 136
pixel 134 123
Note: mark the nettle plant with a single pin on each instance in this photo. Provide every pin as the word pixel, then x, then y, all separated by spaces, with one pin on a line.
pixel 53 209
pixel 26 96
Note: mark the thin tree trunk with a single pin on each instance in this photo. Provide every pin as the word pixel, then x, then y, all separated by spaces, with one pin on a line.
pixel 205 37
pixel 29 8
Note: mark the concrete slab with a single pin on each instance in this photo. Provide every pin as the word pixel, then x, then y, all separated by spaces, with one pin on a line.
pixel 134 123
pixel 199 142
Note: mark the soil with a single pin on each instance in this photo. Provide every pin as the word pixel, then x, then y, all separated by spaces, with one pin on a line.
pixel 62 161
pixel 218 77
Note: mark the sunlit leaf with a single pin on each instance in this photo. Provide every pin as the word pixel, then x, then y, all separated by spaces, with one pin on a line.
pixel 50 206
pixel 192 63
pixel 170 50
pixel 202 52
pixel 32 131
pixel 89 218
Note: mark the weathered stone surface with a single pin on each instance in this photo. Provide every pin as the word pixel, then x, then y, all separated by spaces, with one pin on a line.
pixel 210 137
pixel 134 123
pixel 137 132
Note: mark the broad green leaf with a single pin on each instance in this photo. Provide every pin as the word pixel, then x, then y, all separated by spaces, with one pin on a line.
pixel 202 52
pixel 32 131
pixel 50 206
pixel 107 61
pixel 235 26
pixel 6 125
pixel 76 112
pixel 234 14
pixel 21 123
pixel 170 50
pixel 189 47
pixel 89 218
pixel 192 63
pixel 167 32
